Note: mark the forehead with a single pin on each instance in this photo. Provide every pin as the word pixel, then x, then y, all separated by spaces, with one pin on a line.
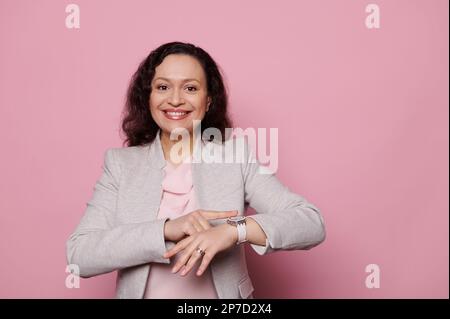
pixel 179 67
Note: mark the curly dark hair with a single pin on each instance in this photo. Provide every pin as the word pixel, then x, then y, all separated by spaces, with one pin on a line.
pixel 138 124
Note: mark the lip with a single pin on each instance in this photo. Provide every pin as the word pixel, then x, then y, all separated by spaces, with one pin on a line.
pixel 176 110
pixel 178 117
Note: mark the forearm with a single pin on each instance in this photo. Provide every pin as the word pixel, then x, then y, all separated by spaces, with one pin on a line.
pixel 102 251
pixel 255 234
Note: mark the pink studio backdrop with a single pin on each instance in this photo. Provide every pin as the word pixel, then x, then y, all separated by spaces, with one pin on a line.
pixel 362 117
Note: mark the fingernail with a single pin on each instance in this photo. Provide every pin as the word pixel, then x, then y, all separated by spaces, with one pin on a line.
pixel 173 270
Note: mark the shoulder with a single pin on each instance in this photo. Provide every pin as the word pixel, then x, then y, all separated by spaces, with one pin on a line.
pixel 129 151
pixel 244 153
pixel 126 156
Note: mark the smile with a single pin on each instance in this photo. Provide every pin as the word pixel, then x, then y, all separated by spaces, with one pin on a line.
pixel 179 115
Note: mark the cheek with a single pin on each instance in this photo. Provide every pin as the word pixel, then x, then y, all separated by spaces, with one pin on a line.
pixel 154 101
pixel 200 110
pixel 153 106
pixel 200 104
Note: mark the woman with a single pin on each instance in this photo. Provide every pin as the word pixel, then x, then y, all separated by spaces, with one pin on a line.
pixel 172 226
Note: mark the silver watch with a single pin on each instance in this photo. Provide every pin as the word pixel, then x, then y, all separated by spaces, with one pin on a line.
pixel 240 223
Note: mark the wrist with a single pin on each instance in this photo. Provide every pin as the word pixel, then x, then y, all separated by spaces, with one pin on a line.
pixel 166 230
pixel 240 225
pixel 232 231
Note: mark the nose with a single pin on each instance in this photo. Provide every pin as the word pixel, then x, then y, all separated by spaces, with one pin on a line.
pixel 175 99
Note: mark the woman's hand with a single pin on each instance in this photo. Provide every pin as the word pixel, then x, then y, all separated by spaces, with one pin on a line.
pixel 194 222
pixel 210 241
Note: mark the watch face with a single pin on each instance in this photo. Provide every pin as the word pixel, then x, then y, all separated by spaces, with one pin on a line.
pixel 235 221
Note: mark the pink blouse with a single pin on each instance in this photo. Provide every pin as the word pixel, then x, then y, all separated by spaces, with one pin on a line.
pixel 178 199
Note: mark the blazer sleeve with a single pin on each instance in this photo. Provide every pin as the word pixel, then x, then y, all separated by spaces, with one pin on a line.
pixel 98 247
pixel 289 221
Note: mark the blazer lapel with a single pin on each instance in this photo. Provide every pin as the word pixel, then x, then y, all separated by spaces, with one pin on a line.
pixel 207 178
pixel 148 184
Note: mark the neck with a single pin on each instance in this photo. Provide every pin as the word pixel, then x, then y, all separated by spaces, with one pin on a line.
pixel 167 145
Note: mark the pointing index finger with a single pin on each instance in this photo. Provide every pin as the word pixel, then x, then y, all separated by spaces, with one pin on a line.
pixel 218 215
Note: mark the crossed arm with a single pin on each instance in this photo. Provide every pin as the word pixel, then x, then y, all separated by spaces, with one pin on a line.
pixel 284 221
pixel 209 239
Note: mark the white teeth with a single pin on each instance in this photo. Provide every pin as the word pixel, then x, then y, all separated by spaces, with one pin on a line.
pixel 176 113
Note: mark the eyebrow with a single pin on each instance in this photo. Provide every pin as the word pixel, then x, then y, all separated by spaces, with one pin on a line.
pixel 168 80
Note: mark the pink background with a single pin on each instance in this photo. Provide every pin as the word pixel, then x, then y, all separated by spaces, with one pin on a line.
pixel 362 117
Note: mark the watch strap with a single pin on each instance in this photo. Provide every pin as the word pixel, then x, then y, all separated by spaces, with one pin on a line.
pixel 242 233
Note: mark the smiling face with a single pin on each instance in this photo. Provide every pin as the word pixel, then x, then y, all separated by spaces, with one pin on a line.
pixel 178 93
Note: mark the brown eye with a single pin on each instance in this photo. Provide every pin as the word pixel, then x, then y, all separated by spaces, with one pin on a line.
pixel 192 88
pixel 162 87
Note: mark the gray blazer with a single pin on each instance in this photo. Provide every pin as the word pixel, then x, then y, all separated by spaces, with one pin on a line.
pixel 120 230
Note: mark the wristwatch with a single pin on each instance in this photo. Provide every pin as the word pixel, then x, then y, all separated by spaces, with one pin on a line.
pixel 240 224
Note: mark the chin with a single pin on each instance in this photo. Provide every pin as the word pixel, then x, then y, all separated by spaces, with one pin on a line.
pixel 169 128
